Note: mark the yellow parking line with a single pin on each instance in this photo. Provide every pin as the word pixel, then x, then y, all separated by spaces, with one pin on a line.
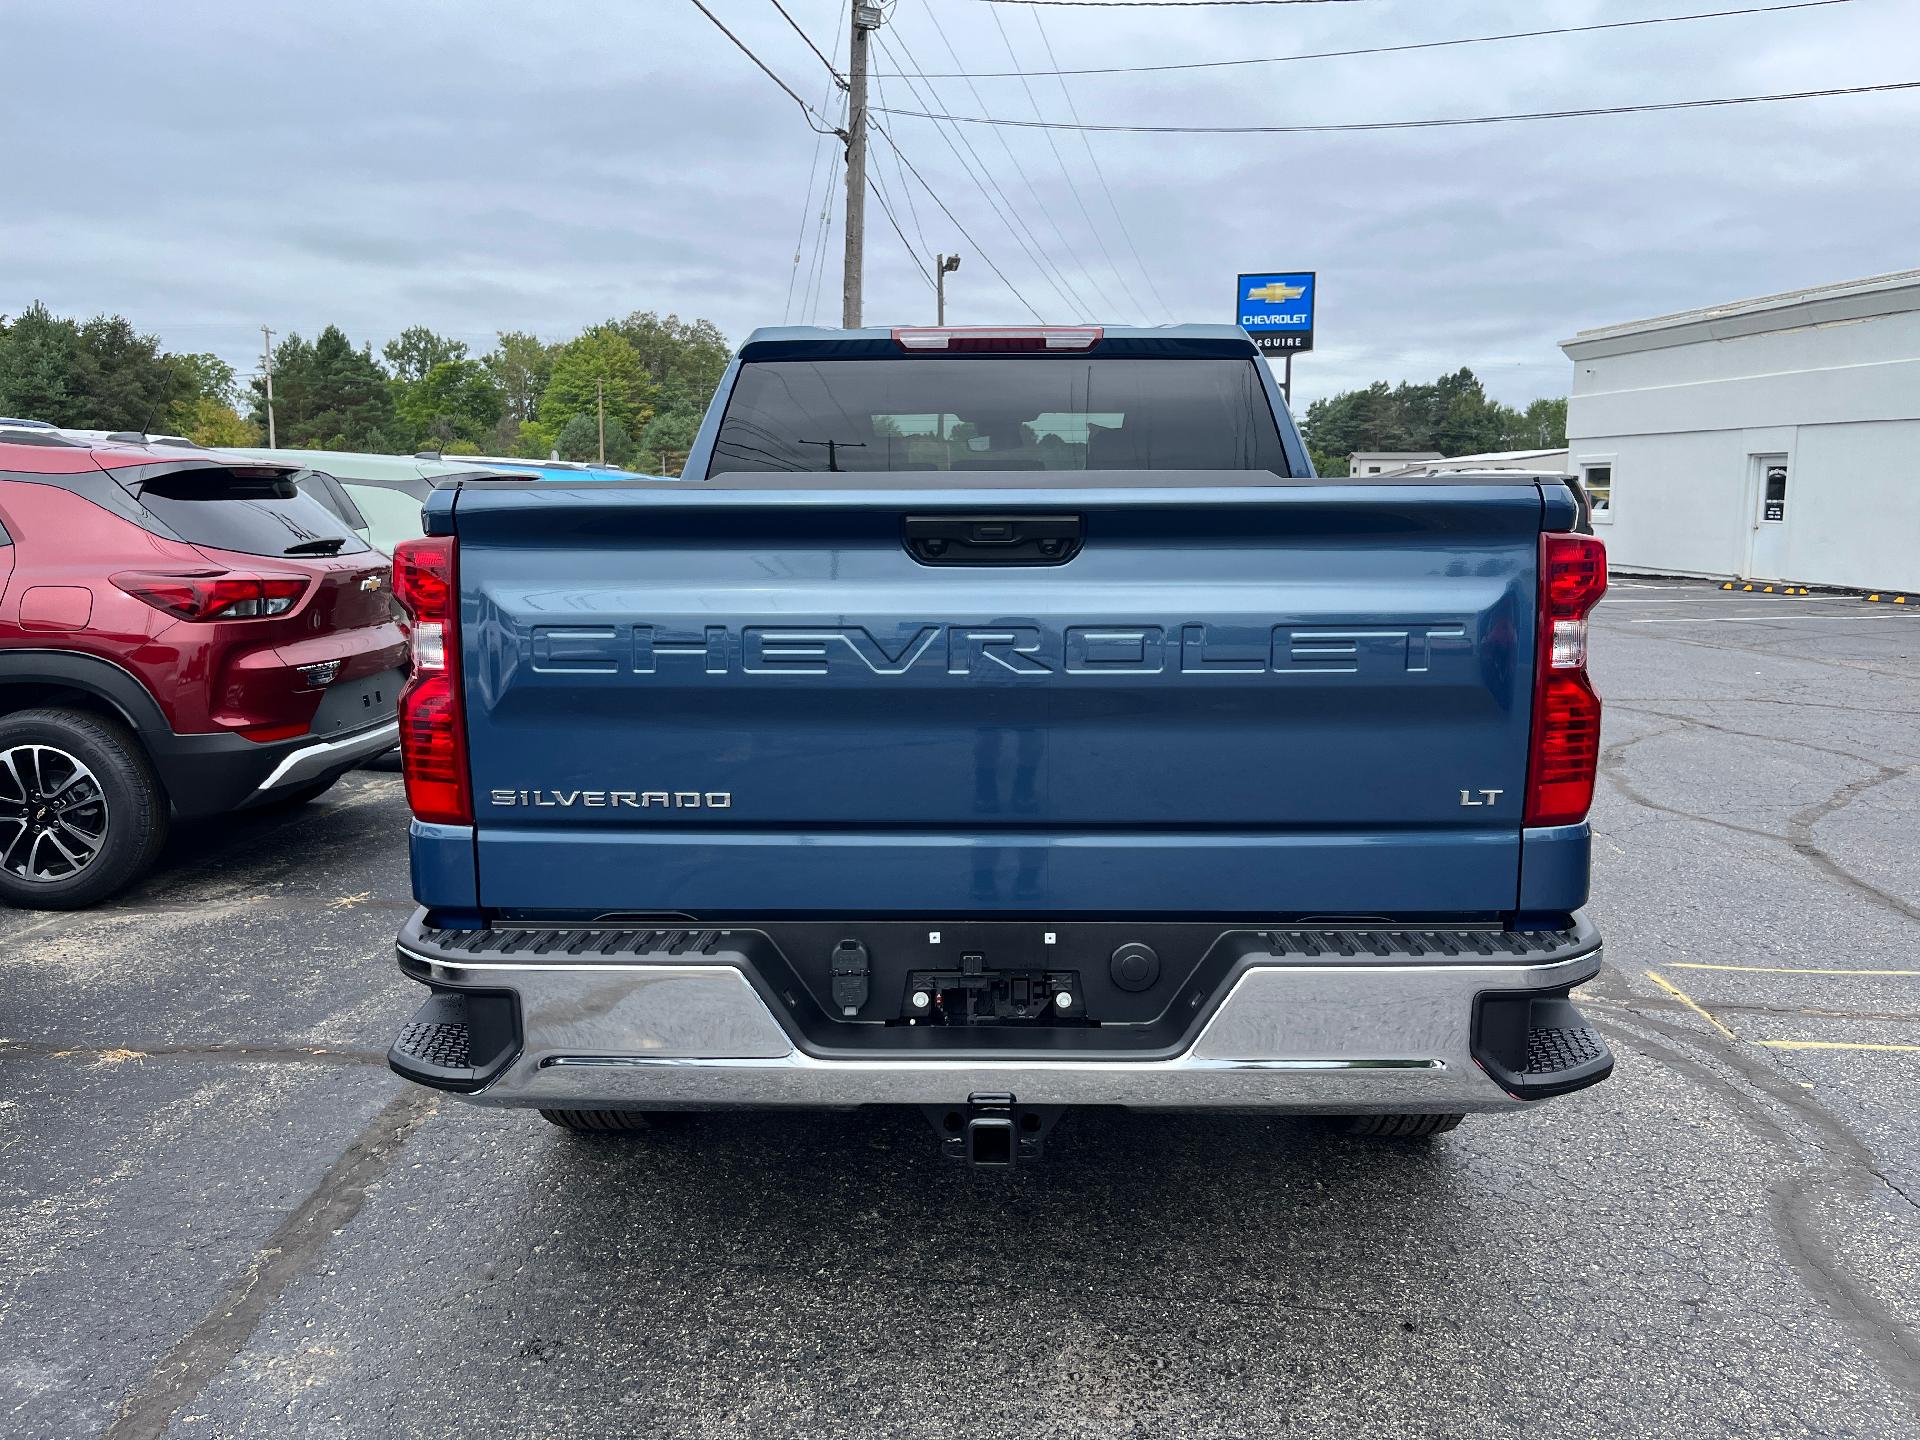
pixel 1691 1004
pixel 1830 1045
pixel 1779 969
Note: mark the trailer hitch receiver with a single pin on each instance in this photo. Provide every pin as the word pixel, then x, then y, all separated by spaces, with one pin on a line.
pixel 992 1130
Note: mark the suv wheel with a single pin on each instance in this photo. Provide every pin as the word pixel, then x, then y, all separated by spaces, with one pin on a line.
pixel 81 814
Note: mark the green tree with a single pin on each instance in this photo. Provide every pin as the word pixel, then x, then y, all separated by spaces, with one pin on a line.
pixel 328 395
pixel 520 365
pixel 455 400
pixel 600 357
pixel 38 367
pixel 208 422
pixel 417 350
pixel 128 383
pixel 102 375
pixel 293 381
pixel 579 439
pixel 1453 415
pixel 208 392
pixel 666 440
pixel 1543 425
pixel 683 358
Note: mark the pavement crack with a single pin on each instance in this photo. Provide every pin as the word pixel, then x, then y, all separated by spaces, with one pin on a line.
pixel 1805 1247
pixel 204 1351
pixel 1801 837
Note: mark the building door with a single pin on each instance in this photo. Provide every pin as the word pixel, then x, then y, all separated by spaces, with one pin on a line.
pixel 1767 492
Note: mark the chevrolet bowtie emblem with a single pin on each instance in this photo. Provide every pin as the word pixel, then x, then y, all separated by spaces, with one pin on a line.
pixel 373 582
pixel 1275 292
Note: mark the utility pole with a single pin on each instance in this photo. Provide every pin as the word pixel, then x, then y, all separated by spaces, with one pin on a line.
pixel 943 266
pixel 866 19
pixel 600 406
pixel 266 355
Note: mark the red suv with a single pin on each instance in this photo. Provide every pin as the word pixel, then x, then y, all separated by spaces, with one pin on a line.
pixel 181 634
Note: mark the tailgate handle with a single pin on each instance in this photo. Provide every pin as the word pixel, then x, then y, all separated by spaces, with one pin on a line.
pixel 993 539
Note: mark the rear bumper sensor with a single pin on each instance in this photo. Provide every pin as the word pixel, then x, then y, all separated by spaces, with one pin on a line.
pixel 459 1040
pixel 630 1018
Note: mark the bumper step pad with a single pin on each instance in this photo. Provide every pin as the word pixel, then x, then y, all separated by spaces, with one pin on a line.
pixel 1540 1045
pixel 459 1040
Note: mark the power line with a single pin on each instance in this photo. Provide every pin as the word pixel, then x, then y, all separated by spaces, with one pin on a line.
pixel 1039 203
pixel 876 184
pixel 808 38
pixel 1100 174
pixel 1002 207
pixel 1066 174
pixel 806 203
pixel 805 109
pixel 816 268
pixel 993 192
pixel 900 172
pixel 1413 124
pixel 977 249
pixel 1377 49
pixel 806 213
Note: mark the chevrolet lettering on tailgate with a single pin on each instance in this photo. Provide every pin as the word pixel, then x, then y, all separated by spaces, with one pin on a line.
pixel 1016 649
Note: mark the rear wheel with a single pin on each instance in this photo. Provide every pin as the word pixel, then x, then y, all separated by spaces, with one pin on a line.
pixel 599 1122
pixel 81 813
pixel 1401 1127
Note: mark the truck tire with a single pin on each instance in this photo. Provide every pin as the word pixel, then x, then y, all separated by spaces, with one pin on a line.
pixel 1401 1127
pixel 81 813
pixel 599 1122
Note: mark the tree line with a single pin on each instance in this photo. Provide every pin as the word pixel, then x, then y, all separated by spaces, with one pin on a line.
pixel 525 397
pixel 1452 415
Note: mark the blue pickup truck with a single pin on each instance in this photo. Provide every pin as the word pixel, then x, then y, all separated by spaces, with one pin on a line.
pixel 994 722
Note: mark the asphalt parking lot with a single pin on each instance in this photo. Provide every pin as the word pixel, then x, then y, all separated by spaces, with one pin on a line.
pixel 221 1216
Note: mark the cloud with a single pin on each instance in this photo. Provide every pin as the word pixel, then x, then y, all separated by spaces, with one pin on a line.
pixel 484 166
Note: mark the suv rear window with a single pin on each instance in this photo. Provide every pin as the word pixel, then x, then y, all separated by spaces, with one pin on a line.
pixel 998 413
pixel 254 512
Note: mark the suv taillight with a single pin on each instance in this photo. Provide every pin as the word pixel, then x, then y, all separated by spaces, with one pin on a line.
pixel 433 736
pixel 216 595
pixel 1566 712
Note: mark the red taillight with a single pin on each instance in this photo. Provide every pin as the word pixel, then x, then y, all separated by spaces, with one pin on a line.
pixel 997 338
pixel 1566 712
pixel 433 734
pixel 215 595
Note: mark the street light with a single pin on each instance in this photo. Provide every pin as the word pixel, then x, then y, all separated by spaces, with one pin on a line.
pixel 943 266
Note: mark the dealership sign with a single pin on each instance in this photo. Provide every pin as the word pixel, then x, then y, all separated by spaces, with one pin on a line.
pixel 1277 310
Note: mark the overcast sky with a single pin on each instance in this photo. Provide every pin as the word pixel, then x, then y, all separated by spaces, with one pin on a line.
pixel 207 166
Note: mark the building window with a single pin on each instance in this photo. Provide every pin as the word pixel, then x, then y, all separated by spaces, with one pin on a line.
pixel 1597 480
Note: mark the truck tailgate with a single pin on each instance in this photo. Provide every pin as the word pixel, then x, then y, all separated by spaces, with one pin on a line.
pixel 1260 699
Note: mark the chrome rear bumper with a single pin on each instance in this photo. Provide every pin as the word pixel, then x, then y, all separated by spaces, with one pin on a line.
pixel 1299 1037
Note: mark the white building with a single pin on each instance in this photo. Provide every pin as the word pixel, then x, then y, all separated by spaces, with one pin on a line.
pixel 1775 439
pixel 1378 462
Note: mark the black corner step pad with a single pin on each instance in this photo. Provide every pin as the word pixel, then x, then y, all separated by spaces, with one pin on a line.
pixel 458 1040
pixel 1557 1051
pixel 1553 1049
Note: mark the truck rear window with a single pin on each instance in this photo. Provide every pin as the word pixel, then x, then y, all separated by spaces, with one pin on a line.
pixel 254 512
pixel 1003 413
